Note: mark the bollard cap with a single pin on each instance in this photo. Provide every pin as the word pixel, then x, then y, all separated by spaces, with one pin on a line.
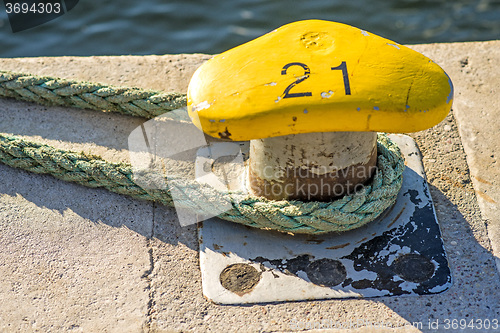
pixel 317 76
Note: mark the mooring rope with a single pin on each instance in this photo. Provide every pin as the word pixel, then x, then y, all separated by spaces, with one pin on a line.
pixel 346 213
pixel 85 95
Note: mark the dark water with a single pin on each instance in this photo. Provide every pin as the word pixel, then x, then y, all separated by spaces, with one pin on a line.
pixel 188 26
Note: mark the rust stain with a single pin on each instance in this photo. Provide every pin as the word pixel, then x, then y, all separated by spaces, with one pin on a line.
pixel 337 246
pixel 362 240
pixel 397 217
pixel 484 181
pixel 486 197
pixel 240 278
pixel 216 246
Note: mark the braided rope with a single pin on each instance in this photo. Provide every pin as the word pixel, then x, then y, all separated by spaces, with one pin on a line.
pixel 54 91
pixel 349 212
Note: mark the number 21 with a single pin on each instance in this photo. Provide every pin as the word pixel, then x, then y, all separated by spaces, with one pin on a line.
pixel 307 72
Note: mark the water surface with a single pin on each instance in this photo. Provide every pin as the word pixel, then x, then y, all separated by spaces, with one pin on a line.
pixel 198 26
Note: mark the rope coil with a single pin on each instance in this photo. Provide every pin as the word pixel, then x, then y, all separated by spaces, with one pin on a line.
pixel 346 213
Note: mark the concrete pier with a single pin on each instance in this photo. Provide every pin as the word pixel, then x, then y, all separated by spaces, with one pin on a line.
pixel 87 260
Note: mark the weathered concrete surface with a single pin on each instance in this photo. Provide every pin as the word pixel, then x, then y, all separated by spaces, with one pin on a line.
pixel 79 258
pixel 473 68
pixel 70 258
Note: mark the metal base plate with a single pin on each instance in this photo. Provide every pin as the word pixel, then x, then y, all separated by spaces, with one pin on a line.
pixel 400 253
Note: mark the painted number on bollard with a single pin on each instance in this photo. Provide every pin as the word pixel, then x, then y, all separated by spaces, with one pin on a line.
pixel 343 68
pixel 307 72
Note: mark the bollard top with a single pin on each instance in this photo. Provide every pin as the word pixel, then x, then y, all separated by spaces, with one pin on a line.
pixel 317 76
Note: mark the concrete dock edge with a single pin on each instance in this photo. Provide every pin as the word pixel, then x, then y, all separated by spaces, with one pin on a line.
pixel 85 260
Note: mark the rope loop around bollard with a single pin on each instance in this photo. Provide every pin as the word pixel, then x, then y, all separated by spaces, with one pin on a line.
pixel 297 217
pixel 347 213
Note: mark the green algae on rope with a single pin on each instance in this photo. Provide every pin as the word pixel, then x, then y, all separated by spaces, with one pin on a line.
pixel 55 91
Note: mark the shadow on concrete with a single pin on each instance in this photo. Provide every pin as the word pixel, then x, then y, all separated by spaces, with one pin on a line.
pixel 475 292
pixel 98 206
pixel 72 125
